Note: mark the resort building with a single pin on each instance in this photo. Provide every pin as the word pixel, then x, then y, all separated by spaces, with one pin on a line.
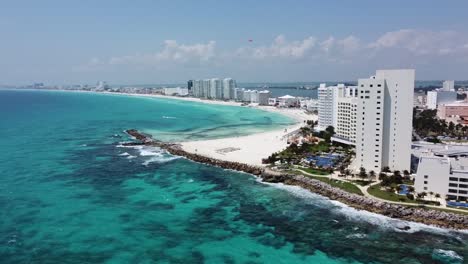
pixel 345 129
pixel 175 91
pixel 287 101
pixel 213 88
pixel 327 106
pixel 444 175
pixel 436 98
pixel 448 86
pixel 263 97
pixel 228 88
pixel 384 120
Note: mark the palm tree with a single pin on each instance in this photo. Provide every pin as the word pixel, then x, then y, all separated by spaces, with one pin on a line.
pixel 432 194
pixel 372 174
pixel 386 169
pixel 437 195
pixel 362 173
pixel 406 173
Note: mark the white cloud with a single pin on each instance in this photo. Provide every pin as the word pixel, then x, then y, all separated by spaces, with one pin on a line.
pixel 281 48
pixel 401 48
pixel 421 42
pixel 172 52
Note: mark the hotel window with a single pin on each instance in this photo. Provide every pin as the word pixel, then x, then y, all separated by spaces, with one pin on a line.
pixel 425 188
pixel 453 179
pixel 462 186
pixel 379 85
pixel 463 180
pixel 463 192
pixel 371 85
pixel 425 176
pixel 452 190
pixel 453 185
pixel 425 182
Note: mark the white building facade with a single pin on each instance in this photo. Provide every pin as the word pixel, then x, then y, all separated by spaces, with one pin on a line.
pixel 436 98
pixel 443 175
pixel 263 97
pixel 327 106
pixel 384 120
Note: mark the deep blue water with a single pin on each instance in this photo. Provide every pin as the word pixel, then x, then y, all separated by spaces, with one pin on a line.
pixel 70 193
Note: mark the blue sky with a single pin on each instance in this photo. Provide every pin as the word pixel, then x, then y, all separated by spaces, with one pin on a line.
pixel 131 42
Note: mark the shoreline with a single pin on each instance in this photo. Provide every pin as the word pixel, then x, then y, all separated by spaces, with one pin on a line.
pixel 426 215
pixel 249 149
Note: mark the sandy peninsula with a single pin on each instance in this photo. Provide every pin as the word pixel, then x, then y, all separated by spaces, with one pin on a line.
pixel 250 149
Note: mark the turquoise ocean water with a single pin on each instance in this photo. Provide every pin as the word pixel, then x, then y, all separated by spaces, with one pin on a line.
pixel 70 193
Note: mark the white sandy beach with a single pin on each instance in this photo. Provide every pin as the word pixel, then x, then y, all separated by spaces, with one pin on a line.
pixel 253 148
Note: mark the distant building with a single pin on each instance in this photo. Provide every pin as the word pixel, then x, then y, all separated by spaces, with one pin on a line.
pixel 448 86
pixel 190 85
pixel 420 99
pixel 228 88
pixel 459 109
pixel 263 97
pixel 272 101
pixel 288 101
pixel 176 91
pixel 435 98
pixel 214 88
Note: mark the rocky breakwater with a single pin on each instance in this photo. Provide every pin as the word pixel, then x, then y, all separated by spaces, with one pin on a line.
pixel 422 215
pixel 176 150
pixel 415 214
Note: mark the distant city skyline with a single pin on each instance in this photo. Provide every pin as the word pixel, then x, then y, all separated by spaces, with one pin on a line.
pixel 157 42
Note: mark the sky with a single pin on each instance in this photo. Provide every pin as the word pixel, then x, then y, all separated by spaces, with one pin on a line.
pixel 150 42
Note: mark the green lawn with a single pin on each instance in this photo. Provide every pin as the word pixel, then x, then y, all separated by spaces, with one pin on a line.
pixel 315 171
pixel 390 196
pixel 346 186
pixel 362 182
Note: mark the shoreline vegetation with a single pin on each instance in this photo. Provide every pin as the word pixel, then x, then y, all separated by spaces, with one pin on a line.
pixel 415 214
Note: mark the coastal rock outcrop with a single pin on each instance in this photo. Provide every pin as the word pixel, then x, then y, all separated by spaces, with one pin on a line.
pixel 417 214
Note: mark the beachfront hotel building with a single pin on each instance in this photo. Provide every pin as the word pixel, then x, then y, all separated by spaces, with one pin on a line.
pixel 214 88
pixel 384 116
pixel 443 175
pixel 327 106
pixel 336 105
pixel 375 117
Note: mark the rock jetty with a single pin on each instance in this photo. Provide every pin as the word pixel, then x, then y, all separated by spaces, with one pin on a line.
pixel 415 214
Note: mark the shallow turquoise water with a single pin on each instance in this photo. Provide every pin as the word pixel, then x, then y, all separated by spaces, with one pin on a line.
pixel 69 193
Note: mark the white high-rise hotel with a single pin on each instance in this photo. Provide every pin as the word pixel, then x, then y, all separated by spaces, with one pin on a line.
pixel 376 118
pixel 214 88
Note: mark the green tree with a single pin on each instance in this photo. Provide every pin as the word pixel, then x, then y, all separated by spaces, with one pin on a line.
pixel 362 173
pixel 386 169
